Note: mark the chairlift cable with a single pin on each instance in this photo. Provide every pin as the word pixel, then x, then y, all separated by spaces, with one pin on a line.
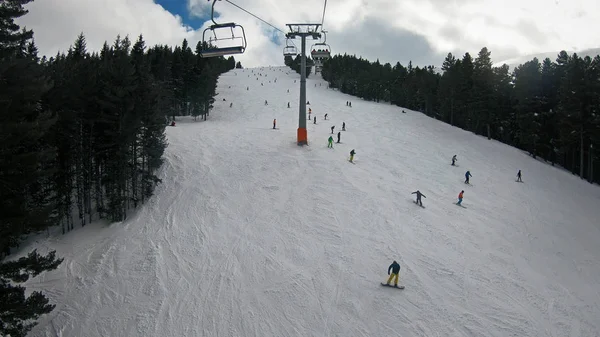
pixel 323 19
pixel 257 17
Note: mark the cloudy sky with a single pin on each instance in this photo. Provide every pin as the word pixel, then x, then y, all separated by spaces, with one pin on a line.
pixel 423 31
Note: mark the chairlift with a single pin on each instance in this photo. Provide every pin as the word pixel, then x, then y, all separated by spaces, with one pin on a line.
pixel 210 50
pixel 321 51
pixel 289 50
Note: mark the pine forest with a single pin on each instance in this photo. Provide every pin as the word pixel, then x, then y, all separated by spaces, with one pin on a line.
pixel 82 136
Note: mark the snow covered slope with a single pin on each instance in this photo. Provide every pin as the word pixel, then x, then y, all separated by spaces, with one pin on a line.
pixel 251 235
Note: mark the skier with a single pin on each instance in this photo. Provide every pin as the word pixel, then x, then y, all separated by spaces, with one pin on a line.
pixel 467 175
pixel 307 102
pixel 274 123
pixel 333 127
pixel 419 195
pixel 346 103
pixel 350 104
pixel 352 153
pixel 330 142
pixel 288 104
pixel 453 160
pixel 173 123
pixel 519 176
pixel 266 102
pixel 339 135
pixel 315 120
pixel 460 198
pixel 343 126
pixel 325 116
pixel 395 268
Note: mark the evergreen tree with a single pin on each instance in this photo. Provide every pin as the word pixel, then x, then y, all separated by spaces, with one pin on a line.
pixel 483 93
pixel 27 204
pixel 295 65
pixel 528 108
pixel 17 311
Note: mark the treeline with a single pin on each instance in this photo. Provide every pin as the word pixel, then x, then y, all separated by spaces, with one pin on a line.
pixel 82 135
pixel 295 63
pixel 548 108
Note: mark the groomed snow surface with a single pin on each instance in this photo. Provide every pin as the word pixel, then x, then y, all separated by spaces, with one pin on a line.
pixel 252 235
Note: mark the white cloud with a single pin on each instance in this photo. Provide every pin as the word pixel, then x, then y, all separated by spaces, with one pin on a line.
pixel 56 23
pixel 392 30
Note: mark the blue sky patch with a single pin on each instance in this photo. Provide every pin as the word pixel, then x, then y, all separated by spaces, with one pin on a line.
pixel 180 7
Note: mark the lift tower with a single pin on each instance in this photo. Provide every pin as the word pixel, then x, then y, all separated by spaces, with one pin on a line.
pixel 303 30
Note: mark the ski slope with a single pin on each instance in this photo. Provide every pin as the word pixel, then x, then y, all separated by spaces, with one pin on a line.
pixel 252 235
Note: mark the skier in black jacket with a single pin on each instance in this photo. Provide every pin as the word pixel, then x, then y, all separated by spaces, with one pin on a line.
pixel 395 268
pixel 419 195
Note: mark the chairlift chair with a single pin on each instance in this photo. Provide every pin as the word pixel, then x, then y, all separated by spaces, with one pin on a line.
pixel 289 50
pixel 210 50
pixel 321 51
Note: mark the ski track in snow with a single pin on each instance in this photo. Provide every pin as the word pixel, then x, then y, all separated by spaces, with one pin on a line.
pixel 251 235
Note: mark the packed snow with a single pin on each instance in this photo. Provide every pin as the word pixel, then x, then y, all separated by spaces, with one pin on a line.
pixel 252 235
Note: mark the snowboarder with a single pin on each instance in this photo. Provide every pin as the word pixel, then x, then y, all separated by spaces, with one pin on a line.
pixel 395 269
pixel 352 153
pixel 333 127
pixel 519 176
pixel 453 160
pixel 274 123
pixel 460 198
pixel 325 116
pixel 419 195
pixel 343 126
pixel 339 135
pixel 330 142
pixel 467 176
